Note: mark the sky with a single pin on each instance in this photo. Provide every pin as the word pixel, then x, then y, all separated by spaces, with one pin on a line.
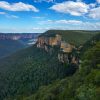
pixel 37 16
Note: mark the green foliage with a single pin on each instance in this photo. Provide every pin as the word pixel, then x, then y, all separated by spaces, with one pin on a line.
pixel 83 85
pixel 74 37
pixel 91 42
pixel 26 74
pixel 95 59
pixel 27 70
pixel 86 92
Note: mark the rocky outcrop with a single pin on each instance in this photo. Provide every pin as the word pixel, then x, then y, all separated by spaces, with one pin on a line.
pixel 67 58
pixel 63 57
pixel 51 41
pixel 40 42
pixel 65 49
pixel 75 60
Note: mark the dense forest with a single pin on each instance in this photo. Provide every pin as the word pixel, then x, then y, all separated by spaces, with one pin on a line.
pixel 83 85
pixel 33 74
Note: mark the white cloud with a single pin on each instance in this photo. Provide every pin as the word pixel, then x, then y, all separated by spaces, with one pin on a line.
pixel 70 24
pixel 82 26
pixel 95 13
pixel 60 22
pixel 92 5
pixel 2 13
pixel 38 28
pixel 12 16
pixel 52 1
pixel 71 7
pixel 78 8
pixel 8 15
pixel 78 0
pixel 17 6
pixel 98 1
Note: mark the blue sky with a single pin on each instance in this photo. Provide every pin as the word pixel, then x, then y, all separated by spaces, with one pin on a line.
pixel 41 15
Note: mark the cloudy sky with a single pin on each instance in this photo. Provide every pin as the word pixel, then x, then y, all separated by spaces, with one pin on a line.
pixel 41 15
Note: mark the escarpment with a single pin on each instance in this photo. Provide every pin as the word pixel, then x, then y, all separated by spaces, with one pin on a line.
pixel 66 54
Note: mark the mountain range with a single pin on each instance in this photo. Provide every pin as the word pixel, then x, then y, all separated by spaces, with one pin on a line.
pixel 12 42
pixel 34 74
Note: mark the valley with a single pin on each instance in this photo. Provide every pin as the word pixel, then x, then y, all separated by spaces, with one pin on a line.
pixel 12 42
pixel 49 49
pixel 49 69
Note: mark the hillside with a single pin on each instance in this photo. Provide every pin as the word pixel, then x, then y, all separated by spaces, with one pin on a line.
pixel 27 70
pixel 74 37
pixel 83 85
pixel 22 73
pixel 8 47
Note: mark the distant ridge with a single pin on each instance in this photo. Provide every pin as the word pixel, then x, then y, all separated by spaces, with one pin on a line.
pixel 76 37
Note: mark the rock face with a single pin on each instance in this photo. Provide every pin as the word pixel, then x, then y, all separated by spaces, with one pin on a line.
pixel 65 49
pixel 63 57
pixel 41 42
pixel 51 41
pixel 75 60
pixel 67 58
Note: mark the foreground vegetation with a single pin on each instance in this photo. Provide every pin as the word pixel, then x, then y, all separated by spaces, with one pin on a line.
pixel 28 70
pixel 83 85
